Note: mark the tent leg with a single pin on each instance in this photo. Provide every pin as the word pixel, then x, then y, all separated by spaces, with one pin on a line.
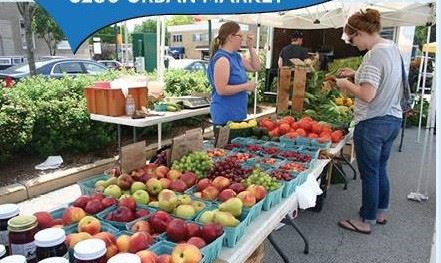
pixel 277 248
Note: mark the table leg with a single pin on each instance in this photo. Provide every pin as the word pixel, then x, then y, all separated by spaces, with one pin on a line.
pixel 278 249
pixel 342 173
pixel 159 135
pixel 134 134
pixel 329 174
pixel 119 142
pixel 290 222
pixel 349 164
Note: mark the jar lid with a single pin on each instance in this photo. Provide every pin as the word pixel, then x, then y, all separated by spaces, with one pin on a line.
pixel 124 257
pixel 13 259
pixel 2 250
pixel 22 223
pixel 54 260
pixel 50 237
pixel 8 211
pixel 90 249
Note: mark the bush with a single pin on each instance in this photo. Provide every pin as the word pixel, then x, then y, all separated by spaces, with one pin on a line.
pixel 182 83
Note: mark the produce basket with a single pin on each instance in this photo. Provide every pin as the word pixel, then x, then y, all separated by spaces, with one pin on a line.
pixel 254 211
pixel 165 248
pixel 272 199
pixel 87 186
pixel 121 225
pixel 244 132
pixel 105 227
pixel 241 140
pixel 156 239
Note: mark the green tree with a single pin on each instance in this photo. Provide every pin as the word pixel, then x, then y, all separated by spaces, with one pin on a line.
pixel 147 26
pixel 420 37
pixel 180 20
pixel 47 29
pixel 26 10
pixel 107 34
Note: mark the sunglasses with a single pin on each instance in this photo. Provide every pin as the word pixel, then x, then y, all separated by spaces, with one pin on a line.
pixel 351 39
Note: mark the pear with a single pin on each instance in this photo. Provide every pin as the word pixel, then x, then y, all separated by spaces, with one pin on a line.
pixel 167 200
pixel 226 219
pixel 207 217
pixel 101 183
pixel 233 205
pixel 111 180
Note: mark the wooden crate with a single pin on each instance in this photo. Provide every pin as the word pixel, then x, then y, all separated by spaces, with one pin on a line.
pixel 111 102
pixel 291 84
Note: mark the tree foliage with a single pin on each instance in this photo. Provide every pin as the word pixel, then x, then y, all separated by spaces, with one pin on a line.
pixel 180 20
pixel 147 26
pixel 47 29
pixel 26 10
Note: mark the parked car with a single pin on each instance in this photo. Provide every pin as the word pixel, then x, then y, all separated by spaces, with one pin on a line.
pixel 114 64
pixel 188 64
pixel 55 68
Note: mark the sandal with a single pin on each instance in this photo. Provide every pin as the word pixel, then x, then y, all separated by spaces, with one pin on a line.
pixel 348 225
pixel 382 222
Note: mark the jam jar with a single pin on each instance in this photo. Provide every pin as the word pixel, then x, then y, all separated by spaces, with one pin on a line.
pixel 7 211
pixel 90 251
pixel 13 259
pixel 50 243
pixel 2 251
pixel 54 260
pixel 125 257
pixel 21 236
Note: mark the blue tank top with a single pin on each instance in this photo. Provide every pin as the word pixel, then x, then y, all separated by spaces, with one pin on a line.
pixel 232 107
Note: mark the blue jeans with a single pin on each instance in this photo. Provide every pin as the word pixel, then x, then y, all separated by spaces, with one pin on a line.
pixel 373 139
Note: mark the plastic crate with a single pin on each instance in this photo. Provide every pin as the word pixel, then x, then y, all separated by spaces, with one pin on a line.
pixel 165 248
pixel 105 227
pixel 254 211
pixel 121 225
pixel 87 186
pixel 321 145
pixel 272 199
pixel 241 140
pixel 284 140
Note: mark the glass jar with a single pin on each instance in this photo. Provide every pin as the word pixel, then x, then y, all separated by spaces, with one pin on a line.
pixel 2 251
pixel 124 257
pixel 13 259
pixel 21 236
pixel 7 211
pixel 54 260
pixel 90 251
pixel 50 243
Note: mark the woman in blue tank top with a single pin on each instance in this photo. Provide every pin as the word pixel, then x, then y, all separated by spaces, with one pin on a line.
pixel 227 75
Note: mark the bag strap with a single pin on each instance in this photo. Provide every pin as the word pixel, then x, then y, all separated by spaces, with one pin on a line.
pixel 405 90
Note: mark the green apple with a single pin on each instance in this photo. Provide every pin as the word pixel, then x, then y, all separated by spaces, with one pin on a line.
pixel 207 217
pixel 141 197
pixel 154 204
pixel 184 199
pixel 124 196
pixel 113 191
pixel 185 211
pixel 198 205
pixel 167 200
pixel 137 186
pixel 101 183
pixel 111 180
pixel 154 186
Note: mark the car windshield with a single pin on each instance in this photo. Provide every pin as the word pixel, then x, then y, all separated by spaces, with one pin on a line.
pixel 23 68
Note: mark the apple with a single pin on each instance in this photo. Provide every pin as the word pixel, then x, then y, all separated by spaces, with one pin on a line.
pixel 154 204
pixel 189 178
pixel 186 253
pixel 141 197
pixel 237 187
pixel 101 183
pixel 221 182
pixel 122 242
pixel 140 241
pixel 142 213
pixel 226 194
pixel 94 206
pixel 112 250
pixel 90 225
pixel 141 226
pixel 185 211
pixel 202 184
pixel 165 183
pixel 174 174
pixel 177 230
pixel 109 201
pixel 154 186
pixel 211 231
pixel 178 186
pixel 159 221
pixel 137 186
pixel 73 215
pixel 161 171
pixel 58 223
pixel 115 172
pixel 164 259
pixel 97 196
pixel 150 167
pixel 184 199
pixel 207 217
pixel 210 193
pixel 74 238
pixel 147 256
pixel 128 202
pixel 113 191
pixel 107 237
pixel 248 198
pixel 167 200
pixel 125 181
pixel 122 214
pixel 197 205
pixel 81 201
pixel 193 230
pixel 44 219
pixel 197 241
pixel 258 191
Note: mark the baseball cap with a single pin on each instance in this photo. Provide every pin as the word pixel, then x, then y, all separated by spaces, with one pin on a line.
pixel 296 34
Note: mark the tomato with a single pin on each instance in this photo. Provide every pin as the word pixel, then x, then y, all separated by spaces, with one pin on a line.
pixel 325 138
pixel 306 118
pixel 292 135
pixel 313 136
pixel 284 128
pixel 301 132
pixel 288 119
pixel 316 128
pixel 305 125
pixel 324 133
pixel 268 124
pixel 295 125
pixel 336 136
pixel 326 128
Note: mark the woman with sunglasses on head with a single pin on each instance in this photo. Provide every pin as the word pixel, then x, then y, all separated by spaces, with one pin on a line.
pixel 377 90
pixel 227 75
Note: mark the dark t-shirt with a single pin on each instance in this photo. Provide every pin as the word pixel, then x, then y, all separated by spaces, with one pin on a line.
pixel 292 51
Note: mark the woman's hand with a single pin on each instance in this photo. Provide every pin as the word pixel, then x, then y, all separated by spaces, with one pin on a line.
pixel 250 40
pixel 343 85
pixel 250 86
pixel 345 73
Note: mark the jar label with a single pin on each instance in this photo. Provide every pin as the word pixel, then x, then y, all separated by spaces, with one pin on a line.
pixel 28 250
pixel 4 238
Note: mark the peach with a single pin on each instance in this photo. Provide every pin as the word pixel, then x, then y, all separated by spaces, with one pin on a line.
pixel 174 174
pixel 147 256
pixel 90 225
pixel 112 250
pixel 210 193
pixel 226 194
pixel 122 242
pixel 186 253
pixel 73 215
pixel 141 226
pixel 161 171
pixel 221 182
pixel 107 237
pixel 258 191
pixel 165 182
pixel 164 259
pixel 74 238
pixel 247 197
pixel 140 241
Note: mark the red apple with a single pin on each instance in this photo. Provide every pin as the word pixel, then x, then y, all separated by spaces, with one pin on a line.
pixel 226 194
pixel 109 201
pixel 189 178
pixel 90 225
pixel 193 230
pixel 44 219
pixel 202 184
pixel 177 230
pixel 173 174
pixel 82 201
pixel 107 237
pixel 221 182
pixel 97 196
pixel 125 181
pixel 73 215
pixel 128 202
pixel 237 187
pixel 122 214
pixel 141 213
pixel 140 241
pixel 210 193
pixel 165 182
pixel 57 223
pixel 197 241
pixel 247 197
pixel 258 191
pixel 178 186
pixel 161 171
pixel 159 221
pixel 141 226
pixel 94 206
pixel 164 259
pixel 211 231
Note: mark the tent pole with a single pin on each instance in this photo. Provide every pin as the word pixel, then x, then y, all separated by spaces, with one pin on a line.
pixel 431 125
pixel 161 57
pixel 158 48
pixel 256 74
pixel 425 60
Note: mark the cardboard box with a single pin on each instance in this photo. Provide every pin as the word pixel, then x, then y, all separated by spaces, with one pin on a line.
pixel 111 102
pixel 349 151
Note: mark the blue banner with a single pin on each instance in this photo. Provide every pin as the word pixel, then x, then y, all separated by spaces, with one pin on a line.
pixel 79 19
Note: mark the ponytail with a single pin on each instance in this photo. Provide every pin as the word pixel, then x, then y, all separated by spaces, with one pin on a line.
pixel 215 46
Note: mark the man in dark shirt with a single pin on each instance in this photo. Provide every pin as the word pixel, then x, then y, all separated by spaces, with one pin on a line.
pixel 293 50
